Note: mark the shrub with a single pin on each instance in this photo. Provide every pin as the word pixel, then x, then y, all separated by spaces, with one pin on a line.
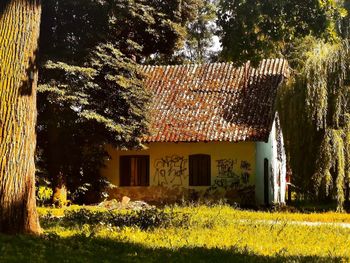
pixel 144 219
pixel 44 195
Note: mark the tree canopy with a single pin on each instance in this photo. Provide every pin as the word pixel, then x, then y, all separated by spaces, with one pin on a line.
pixel 313 106
pixel 91 90
pixel 253 30
pixel 200 33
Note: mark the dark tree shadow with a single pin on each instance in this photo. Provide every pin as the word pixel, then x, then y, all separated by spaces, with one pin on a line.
pixel 3 6
pixel 31 74
pixel 90 249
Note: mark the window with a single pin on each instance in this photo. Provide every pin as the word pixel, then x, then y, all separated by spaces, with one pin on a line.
pixel 134 170
pixel 199 169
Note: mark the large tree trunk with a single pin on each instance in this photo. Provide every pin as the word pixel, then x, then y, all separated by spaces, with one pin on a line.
pixel 19 32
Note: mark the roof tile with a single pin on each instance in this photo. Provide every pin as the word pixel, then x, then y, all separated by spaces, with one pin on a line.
pixel 213 102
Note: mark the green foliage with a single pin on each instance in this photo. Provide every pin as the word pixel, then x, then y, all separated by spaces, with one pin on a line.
pixel 197 215
pixel 144 219
pixel 252 30
pixel 318 93
pixel 44 195
pixel 196 36
pixel 200 33
pixel 91 91
pixel 139 28
pixel 107 92
pixel 313 105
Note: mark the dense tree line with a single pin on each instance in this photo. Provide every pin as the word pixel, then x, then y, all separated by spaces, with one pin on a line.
pixel 90 91
pixel 313 36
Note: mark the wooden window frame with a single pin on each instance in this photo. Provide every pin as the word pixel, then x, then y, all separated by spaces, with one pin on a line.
pixel 126 181
pixel 199 180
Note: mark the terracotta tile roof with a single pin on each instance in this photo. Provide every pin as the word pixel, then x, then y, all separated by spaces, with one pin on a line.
pixel 213 102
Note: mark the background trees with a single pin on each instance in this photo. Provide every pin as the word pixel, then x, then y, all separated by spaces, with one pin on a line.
pixel 312 35
pixel 90 88
pixel 19 32
pixel 253 30
pixel 196 36
pixel 200 33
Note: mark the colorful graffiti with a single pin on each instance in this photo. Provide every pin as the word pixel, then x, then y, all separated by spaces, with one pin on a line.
pixel 171 171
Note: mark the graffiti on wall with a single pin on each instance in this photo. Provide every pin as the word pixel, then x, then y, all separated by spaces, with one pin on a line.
pixel 246 170
pixel 227 178
pixel 225 168
pixel 171 171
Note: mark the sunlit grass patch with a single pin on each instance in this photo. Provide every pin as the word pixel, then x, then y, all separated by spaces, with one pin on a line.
pixel 225 211
pixel 217 233
pixel 222 227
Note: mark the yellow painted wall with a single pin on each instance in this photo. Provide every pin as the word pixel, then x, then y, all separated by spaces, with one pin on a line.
pixel 169 174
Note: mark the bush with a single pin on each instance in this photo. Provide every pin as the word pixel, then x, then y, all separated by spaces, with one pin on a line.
pixel 44 195
pixel 144 219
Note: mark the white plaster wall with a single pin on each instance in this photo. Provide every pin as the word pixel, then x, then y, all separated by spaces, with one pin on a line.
pixel 277 168
pixel 263 150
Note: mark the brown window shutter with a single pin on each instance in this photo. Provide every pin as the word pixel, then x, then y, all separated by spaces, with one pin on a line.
pixel 200 170
pixel 207 168
pixel 191 169
pixel 125 170
pixel 147 171
pixel 134 170
pixel 143 171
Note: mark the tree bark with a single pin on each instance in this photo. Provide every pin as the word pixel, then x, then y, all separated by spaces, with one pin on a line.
pixel 19 32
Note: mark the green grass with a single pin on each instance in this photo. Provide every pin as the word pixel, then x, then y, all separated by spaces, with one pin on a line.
pixel 210 234
pixel 227 212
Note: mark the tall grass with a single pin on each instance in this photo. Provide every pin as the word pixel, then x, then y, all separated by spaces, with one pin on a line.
pixel 185 234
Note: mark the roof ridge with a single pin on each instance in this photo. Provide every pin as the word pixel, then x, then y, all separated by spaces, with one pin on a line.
pixel 275 66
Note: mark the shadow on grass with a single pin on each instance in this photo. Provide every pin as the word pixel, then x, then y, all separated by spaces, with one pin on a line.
pixel 87 249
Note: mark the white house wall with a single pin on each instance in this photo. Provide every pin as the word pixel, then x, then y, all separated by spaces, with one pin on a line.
pixel 274 152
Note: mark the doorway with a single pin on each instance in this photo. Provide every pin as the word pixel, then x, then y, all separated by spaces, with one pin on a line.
pixel 266 181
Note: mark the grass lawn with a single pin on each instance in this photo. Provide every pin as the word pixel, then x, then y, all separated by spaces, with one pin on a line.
pixel 192 234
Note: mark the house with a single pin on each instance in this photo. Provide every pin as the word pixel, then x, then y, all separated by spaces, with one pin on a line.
pixel 214 133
